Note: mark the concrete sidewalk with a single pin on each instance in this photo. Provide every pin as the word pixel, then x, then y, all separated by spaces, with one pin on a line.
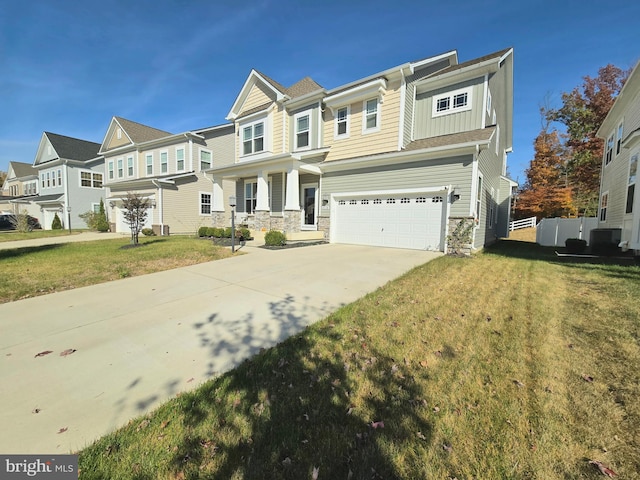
pixel 139 341
pixel 78 237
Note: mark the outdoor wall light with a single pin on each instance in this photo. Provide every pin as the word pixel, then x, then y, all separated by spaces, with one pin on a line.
pixel 112 204
pixel 456 193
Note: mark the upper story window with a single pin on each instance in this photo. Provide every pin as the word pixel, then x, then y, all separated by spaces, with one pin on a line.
pixel 164 162
pixel 488 102
pixel 110 169
pixel 608 150
pixel 149 163
pixel 179 159
pixel 631 184
pixel 371 116
pixel 205 159
pixel 48 179
pixel 129 166
pixel 604 203
pixel 59 175
pixel 42 176
pixel 452 102
pixel 302 121
pixel 120 168
pixel 90 179
pixel 341 128
pixel 619 138
pixel 253 138
pixel 479 197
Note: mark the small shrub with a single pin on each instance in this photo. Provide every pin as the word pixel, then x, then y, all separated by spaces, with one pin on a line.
pixel 218 232
pixel 245 233
pixel 203 231
pixel 148 232
pixel 575 245
pixel 211 232
pixel 275 238
pixel 56 224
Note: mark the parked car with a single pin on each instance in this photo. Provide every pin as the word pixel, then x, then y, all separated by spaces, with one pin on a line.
pixel 8 222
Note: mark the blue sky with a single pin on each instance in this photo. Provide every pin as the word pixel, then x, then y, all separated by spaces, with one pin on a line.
pixel 67 67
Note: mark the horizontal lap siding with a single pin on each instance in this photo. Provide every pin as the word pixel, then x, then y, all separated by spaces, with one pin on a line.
pixel 385 140
pixel 424 174
pixel 279 131
pixel 259 95
pixel 221 143
pixel 181 204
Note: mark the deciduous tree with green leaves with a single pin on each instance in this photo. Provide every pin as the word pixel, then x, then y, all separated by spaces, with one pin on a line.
pixel 135 213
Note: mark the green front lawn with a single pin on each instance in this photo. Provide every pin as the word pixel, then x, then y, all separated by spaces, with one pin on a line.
pixel 32 271
pixel 506 365
pixel 12 235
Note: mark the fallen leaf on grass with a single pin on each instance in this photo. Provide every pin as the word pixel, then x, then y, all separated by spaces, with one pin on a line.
pixel 518 383
pixel 286 462
pixel 379 424
pixel 423 364
pixel 164 424
pixel 447 448
pixel 421 436
pixel 587 378
pixel 68 351
pixel 63 429
pixel 42 354
pixel 603 469
pixel 315 473
pixel 142 424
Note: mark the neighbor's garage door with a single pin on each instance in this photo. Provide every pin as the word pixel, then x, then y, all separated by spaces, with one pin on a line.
pixel 391 220
pixel 123 227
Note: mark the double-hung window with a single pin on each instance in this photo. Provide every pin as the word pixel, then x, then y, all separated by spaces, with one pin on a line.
pixel 452 102
pixel 43 183
pixel 180 159
pixel 110 169
pixel 149 163
pixel 619 138
pixel 251 195
pixel 608 154
pixel 205 159
pixel 302 121
pixel 479 198
pixel 164 162
pixel 48 179
pixel 120 168
pixel 371 116
pixel 85 179
pixel 253 138
pixel 604 203
pixel 90 179
pixel 342 123
pixel 130 166
pixel 631 184
pixel 205 204
pixel 59 172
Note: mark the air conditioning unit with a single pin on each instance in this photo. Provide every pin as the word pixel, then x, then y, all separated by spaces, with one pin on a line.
pixel 605 240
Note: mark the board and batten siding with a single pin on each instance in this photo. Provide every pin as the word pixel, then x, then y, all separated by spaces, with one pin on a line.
pixel 410 96
pixel 455 171
pixel 426 125
pixel 357 144
pixel 258 95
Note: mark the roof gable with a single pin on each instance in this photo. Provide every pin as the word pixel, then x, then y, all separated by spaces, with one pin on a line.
pixel 20 169
pixel 123 132
pixel 54 146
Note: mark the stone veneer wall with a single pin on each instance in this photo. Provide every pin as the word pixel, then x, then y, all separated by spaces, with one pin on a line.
pixel 459 246
pixel 262 220
pixel 292 221
pixel 324 223
pixel 218 219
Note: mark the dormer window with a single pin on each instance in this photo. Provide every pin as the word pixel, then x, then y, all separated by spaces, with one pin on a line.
pixel 253 138
pixel 452 102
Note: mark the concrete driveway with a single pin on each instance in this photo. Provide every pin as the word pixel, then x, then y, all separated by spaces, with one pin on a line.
pixel 141 340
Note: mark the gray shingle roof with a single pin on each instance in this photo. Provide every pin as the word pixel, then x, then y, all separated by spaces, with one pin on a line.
pixel 302 87
pixel 22 169
pixel 468 63
pixel 73 148
pixel 278 86
pixel 479 135
pixel 139 133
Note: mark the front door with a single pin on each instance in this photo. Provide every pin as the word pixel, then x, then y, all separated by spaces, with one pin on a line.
pixel 309 193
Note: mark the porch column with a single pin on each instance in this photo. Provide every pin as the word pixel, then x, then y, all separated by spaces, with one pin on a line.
pixel 262 200
pixel 292 200
pixel 217 202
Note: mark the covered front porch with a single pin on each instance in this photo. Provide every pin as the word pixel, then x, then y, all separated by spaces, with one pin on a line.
pixel 280 193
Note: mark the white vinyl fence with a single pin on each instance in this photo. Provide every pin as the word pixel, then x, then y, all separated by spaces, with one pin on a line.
pixel 552 232
pixel 523 223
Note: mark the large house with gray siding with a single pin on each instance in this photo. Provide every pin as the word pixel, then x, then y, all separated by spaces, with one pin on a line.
pixel 19 186
pixel 395 159
pixel 167 169
pixel 619 204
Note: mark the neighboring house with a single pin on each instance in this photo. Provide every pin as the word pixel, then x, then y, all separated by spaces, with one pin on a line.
pixel 167 169
pixel 21 184
pixel 619 204
pixel 395 159
pixel 70 176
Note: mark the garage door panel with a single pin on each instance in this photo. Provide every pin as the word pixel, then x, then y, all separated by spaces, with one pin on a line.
pixel 390 220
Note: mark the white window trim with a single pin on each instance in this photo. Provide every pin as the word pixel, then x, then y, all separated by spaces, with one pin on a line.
pixel 119 161
pixel 609 152
pixel 619 135
pixel 488 102
pixel 244 193
pixel 200 204
pixel 635 154
pixel 306 113
pixel 604 194
pixel 451 95
pixel 336 135
pixel 266 135
pixel 133 166
pixel 184 159
pixel 148 156
pixel 366 130
pixel 206 150
pixel 160 153
pixel 478 199
pixel 111 172
pixel 91 181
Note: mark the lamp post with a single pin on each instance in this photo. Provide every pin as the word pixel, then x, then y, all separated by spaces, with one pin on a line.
pixel 232 204
pixel 69 218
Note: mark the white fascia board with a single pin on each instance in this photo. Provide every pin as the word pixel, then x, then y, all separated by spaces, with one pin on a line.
pixel 465 73
pixel 256 115
pixel 40 148
pixel 416 65
pixel 110 132
pixel 512 182
pixel 361 92
pixel 311 97
pixel 632 139
pixel 260 162
pixel 396 191
pixel 506 54
pixel 214 128
pixel 244 92
pixel 410 156
pixel 310 153
pixel 621 102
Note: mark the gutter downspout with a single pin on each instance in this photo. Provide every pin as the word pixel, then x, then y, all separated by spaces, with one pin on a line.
pixel 66 193
pixel 160 212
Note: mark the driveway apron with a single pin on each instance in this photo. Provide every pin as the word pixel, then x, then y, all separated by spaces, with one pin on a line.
pixel 120 349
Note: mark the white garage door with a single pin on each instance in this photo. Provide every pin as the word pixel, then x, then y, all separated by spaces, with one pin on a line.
pixel 391 220
pixel 123 227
